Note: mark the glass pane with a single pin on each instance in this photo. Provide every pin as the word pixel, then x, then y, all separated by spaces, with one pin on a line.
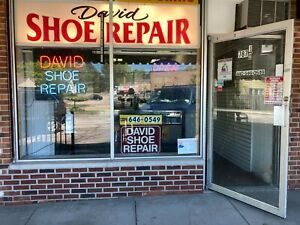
pixel 63 100
pixel 155 93
pixel 156 79
pixel 247 97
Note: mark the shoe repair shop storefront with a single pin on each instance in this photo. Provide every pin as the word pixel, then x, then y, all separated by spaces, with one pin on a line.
pixel 113 98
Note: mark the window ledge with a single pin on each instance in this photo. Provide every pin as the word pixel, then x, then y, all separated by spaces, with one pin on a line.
pixel 93 163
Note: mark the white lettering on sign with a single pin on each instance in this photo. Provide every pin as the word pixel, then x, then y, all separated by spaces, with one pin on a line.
pixel 247 53
pixel 61 23
pixel 244 73
pixel 140 139
pixel 140 131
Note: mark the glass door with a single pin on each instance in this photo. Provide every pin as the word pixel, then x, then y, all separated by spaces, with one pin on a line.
pixel 250 81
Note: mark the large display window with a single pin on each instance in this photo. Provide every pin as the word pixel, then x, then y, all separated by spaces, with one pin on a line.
pixel 80 95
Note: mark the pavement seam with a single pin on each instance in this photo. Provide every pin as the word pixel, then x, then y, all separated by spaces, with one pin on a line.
pixel 31 215
pixel 239 212
pixel 135 213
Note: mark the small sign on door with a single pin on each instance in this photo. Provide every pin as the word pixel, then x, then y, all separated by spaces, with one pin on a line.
pixel 273 90
pixel 225 69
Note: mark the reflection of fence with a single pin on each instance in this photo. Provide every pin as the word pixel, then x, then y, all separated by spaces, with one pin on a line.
pixel 255 102
pixel 35 125
pixel 41 125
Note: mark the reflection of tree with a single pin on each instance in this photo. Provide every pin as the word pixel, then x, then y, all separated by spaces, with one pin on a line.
pixel 141 75
pixel 122 74
pixel 91 78
pixel 31 70
pixel 193 80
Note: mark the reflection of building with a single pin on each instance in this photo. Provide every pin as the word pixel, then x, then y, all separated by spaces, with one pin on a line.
pixel 159 79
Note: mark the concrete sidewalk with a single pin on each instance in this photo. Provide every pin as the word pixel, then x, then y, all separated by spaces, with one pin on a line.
pixel 204 209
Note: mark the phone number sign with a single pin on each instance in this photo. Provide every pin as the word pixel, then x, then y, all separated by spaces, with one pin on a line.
pixel 140 139
pixel 140 120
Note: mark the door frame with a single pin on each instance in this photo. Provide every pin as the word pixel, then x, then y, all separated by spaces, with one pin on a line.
pixel 287 26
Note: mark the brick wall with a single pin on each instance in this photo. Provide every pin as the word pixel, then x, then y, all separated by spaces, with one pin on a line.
pixel 294 149
pixel 5 109
pixel 44 185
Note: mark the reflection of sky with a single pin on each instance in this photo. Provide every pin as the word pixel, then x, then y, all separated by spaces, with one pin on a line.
pixel 147 67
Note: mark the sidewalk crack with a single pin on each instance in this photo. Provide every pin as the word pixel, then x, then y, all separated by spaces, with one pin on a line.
pixel 31 215
pixel 135 213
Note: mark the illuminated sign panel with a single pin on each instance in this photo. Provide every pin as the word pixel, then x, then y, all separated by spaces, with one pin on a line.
pixel 77 23
pixel 62 75
pixel 163 1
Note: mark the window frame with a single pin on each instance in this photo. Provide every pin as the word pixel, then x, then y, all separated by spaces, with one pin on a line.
pixel 200 112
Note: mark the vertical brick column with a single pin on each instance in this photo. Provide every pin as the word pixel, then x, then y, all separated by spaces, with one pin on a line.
pixel 5 108
pixel 294 142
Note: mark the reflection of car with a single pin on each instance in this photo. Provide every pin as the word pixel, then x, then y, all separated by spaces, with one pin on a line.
pixel 176 105
pixel 144 96
pixel 96 97
pixel 126 100
pixel 180 98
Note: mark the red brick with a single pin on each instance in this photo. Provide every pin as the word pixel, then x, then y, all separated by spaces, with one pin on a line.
pixel 128 168
pixel 103 185
pixel 11 182
pixel 135 173
pixel 38 197
pixel 103 195
pixel 110 190
pixel 80 170
pixel 21 187
pixel 71 196
pixel 94 190
pixel 5 177
pixel 28 181
pixel 95 169
pixel 62 191
pixel 119 174
pixel 156 188
pixel 37 176
pixel 55 197
pixel 110 169
pixel 187 187
pixel 172 188
pixel 166 183
pixel 45 181
pixel 20 177
pixel 63 170
pixel 71 175
pixel 130 184
pixel 54 186
pixel 38 186
pixel 54 175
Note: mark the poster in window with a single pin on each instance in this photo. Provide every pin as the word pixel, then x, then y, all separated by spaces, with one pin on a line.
pixel 140 139
pixel 273 90
pixel 225 69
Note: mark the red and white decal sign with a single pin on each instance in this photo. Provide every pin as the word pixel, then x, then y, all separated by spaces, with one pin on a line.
pixel 77 23
pixel 140 139
pixel 274 90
